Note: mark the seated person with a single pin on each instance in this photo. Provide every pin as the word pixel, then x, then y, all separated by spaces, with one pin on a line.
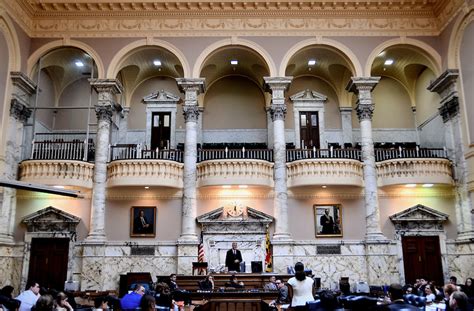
pixel 132 300
pixel 395 293
pixel 163 295
pixel 282 294
pixel 234 283
pixel 172 283
pixel 207 283
pixel 271 285
pixel 101 304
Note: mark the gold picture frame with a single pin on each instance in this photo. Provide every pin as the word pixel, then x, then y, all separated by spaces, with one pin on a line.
pixel 328 220
pixel 143 221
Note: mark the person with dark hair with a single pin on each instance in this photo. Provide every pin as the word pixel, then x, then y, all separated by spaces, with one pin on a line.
pixel 234 283
pixel 282 295
pixel 430 293
pixel 207 283
pixel 30 296
pixel 101 303
pixel 468 288
pixel 6 298
pixel 44 303
pixel 328 300
pixel 163 295
pixel 459 302
pixel 395 292
pixel 172 283
pixel 302 288
pixel 132 300
pixel 61 302
pixel 147 303
pixel 233 258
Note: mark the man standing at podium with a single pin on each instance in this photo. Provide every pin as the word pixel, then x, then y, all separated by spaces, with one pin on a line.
pixel 233 258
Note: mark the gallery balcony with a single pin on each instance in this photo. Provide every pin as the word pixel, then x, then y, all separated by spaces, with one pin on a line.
pixel 235 167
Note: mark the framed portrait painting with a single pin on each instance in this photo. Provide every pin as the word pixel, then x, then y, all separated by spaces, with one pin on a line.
pixel 328 220
pixel 143 221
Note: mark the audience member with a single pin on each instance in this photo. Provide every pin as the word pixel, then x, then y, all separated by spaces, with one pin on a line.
pixel 61 302
pixel 468 288
pixel 271 285
pixel 207 283
pixel 302 288
pixel 101 304
pixel 328 300
pixel 282 294
pixel 147 303
pixel 163 295
pixel 6 299
pixel 449 289
pixel 132 300
pixel 44 303
pixel 429 293
pixel 29 297
pixel 459 302
pixel 172 283
pixel 233 282
pixel 395 293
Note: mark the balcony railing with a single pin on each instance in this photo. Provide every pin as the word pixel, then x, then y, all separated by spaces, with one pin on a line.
pixel 222 154
pixel 306 154
pixel 406 153
pixel 62 150
pixel 133 152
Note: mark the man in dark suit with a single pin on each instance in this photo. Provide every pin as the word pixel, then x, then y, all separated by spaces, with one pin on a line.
pixel 327 222
pixel 233 258
pixel 141 224
pixel 395 292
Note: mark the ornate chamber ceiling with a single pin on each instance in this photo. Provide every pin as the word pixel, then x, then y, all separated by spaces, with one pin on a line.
pixel 92 18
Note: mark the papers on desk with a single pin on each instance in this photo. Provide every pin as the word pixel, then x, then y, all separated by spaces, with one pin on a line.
pixel 284 307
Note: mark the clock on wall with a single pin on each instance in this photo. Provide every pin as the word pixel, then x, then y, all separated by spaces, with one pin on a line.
pixel 235 209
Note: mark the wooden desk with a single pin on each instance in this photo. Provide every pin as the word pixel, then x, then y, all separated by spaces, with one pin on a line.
pixel 247 300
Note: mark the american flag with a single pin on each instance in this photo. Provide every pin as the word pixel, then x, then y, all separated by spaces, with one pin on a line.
pixel 201 250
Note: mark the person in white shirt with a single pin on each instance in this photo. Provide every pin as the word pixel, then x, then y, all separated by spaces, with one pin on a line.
pixel 29 297
pixel 302 288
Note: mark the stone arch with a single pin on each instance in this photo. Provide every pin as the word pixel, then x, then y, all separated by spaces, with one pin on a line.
pixel 456 37
pixel 234 41
pixel 9 32
pixel 356 67
pixel 433 55
pixel 34 58
pixel 114 66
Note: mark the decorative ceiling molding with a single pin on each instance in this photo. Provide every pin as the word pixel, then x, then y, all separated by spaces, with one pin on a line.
pixel 98 18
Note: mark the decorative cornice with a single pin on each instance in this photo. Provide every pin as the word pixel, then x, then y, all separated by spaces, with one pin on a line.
pixel 19 111
pixel 92 18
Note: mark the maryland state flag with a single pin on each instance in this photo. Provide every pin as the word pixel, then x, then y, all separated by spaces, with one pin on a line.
pixel 268 253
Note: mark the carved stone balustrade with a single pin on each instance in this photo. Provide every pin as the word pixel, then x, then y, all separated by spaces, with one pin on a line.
pixel 325 172
pixel 142 172
pixel 414 171
pixel 235 172
pixel 57 172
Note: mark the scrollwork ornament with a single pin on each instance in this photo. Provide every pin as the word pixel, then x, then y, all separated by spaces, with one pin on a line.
pixel 365 112
pixel 104 113
pixel 278 112
pixel 19 111
pixel 191 113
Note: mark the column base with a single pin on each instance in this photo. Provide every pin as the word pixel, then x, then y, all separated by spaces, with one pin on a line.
pixel 188 238
pixel 95 238
pixel 282 236
pixel 375 237
pixel 6 239
pixel 466 237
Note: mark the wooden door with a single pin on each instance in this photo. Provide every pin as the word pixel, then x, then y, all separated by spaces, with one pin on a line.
pixel 422 259
pixel 160 130
pixel 309 129
pixel 48 262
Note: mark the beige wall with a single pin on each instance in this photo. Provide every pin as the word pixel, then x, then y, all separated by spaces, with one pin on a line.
pixel 392 106
pixel 137 115
pixel 427 102
pixel 467 76
pixel 234 102
pixel 3 78
pixel 47 98
pixel 76 207
pixel 332 115
pixel 77 93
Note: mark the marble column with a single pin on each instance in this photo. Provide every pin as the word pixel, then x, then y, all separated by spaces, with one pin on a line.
pixel 346 122
pixel 277 86
pixel 23 89
pixel 268 112
pixel 191 88
pixel 445 86
pixel 105 107
pixel 363 86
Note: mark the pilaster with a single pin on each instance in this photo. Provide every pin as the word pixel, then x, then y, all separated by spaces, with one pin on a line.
pixel 363 86
pixel 191 88
pixel 446 86
pixel 277 86
pixel 105 107
pixel 346 122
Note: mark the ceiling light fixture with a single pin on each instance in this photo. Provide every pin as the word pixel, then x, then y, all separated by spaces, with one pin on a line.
pixel 389 62
pixel 78 63
pixel 324 187
pixel 234 62
pixel 410 185
pixel 146 187
pixel 157 62
pixel 243 186
pixel 427 185
pixel 226 186
pixel 311 62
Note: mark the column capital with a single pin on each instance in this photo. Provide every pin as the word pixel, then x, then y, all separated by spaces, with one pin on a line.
pixel 445 86
pixel 449 109
pixel 191 113
pixel 365 111
pixel 277 83
pixel 195 84
pixel 104 113
pixel 444 81
pixel 357 84
pixel 112 86
pixel 22 82
pixel 19 110
pixel 278 112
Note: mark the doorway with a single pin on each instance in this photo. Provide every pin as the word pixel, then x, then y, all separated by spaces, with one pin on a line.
pixel 309 129
pixel 48 262
pixel 422 259
pixel 160 130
